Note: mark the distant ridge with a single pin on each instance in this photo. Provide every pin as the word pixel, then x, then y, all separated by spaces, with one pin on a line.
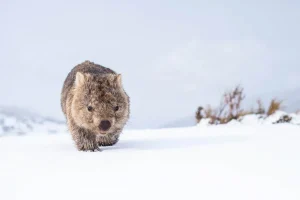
pixel 19 121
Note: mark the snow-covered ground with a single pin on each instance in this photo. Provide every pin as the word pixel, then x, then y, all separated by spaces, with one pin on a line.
pixel 202 162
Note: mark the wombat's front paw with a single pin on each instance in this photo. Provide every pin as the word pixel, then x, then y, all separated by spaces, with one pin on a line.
pixel 96 150
pixel 88 147
pixel 108 141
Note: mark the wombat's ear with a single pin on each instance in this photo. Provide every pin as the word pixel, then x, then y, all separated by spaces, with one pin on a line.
pixel 119 80
pixel 79 80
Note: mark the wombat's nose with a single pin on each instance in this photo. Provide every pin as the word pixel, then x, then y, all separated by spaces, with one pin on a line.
pixel 104 125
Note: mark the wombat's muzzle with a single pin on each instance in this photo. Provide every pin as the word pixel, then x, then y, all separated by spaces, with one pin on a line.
pixel 104 125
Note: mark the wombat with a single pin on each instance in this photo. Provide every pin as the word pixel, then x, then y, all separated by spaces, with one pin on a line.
pixel 95 105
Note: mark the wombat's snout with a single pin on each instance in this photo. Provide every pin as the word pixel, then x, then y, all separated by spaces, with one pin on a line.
pixel 104 125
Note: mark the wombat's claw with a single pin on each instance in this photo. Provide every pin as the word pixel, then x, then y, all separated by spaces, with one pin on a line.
pixel 105 144
pixel 96 150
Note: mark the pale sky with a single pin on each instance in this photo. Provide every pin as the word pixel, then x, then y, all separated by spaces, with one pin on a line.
pixel 173 55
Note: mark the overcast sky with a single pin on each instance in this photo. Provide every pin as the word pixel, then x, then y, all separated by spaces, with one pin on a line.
pixel 174 55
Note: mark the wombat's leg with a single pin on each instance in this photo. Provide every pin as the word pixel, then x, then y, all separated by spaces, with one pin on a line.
pixel 108 140
pixel 85 141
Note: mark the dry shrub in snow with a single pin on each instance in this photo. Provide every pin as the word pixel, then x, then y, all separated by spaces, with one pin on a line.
pixel 275 105
pixel 284 119
pixel 233 100
pixel 230 108
pixel 199 114
pixel 204 113
pixel 260 108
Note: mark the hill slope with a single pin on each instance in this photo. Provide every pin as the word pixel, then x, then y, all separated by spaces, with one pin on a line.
pixel 183 122
pixel 17 121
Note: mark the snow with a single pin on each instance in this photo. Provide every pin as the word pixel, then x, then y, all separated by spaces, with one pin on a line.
pixel 16 121
pixel 236 161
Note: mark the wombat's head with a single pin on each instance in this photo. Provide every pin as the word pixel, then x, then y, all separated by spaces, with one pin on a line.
pixel 100 103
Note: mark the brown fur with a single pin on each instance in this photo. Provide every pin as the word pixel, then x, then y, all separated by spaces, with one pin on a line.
pixel 89 84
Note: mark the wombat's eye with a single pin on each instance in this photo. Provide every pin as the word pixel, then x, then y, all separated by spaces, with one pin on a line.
pixel 116 108
pixel 90 108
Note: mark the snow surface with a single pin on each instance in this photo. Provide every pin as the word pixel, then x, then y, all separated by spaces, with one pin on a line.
pixel 234 161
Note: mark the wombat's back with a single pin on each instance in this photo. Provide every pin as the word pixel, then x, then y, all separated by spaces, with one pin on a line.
pixel 85 67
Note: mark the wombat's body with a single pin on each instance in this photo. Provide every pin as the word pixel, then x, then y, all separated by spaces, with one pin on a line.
pixel 95 105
